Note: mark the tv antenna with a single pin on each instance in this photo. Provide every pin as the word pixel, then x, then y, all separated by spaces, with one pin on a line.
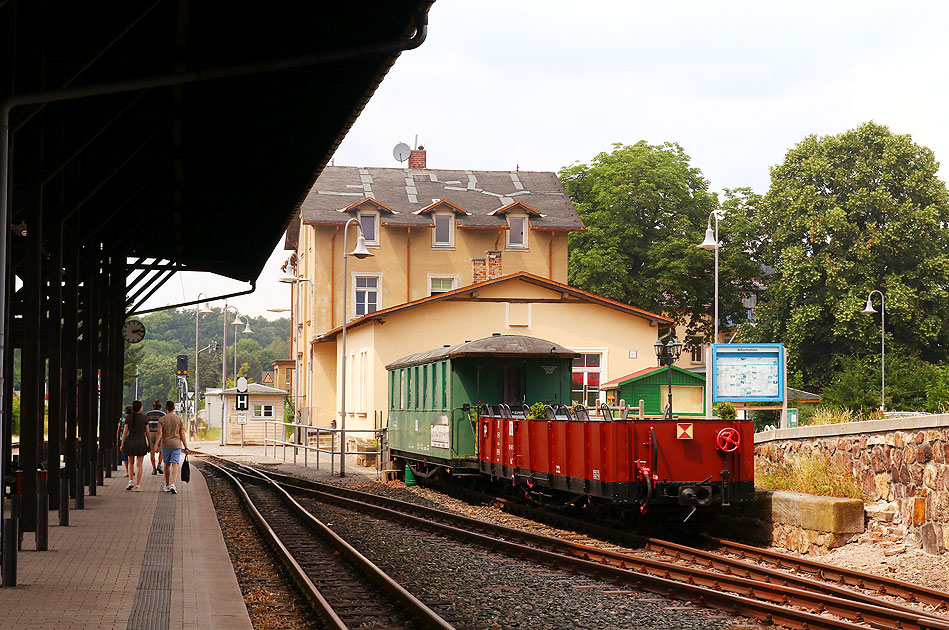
pixel 401 152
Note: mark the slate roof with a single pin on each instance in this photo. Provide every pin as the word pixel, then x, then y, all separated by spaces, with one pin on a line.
pixel 402 195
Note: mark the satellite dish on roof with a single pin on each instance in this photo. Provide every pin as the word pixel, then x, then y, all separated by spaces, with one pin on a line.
pixel 401 152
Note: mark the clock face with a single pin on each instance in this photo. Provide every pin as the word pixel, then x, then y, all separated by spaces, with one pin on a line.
pixel 133 331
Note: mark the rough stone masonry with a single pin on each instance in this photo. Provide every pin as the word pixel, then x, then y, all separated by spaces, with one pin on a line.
pixel 900 464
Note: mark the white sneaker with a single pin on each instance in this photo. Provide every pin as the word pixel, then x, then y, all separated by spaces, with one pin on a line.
pixel 131 485
pixel 172 489
pixel 165 488
pixel 137 489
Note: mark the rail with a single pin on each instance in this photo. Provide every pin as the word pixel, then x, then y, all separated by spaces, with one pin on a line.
pixel 301 440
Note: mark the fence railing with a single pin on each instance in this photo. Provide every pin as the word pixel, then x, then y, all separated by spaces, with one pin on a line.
pixel 275 434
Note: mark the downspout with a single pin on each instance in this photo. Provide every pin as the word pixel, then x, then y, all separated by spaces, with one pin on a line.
pixel 550 257
pixel 333 278
pixel 408 265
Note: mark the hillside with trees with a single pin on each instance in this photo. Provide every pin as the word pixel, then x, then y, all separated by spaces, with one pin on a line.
pixel 170 333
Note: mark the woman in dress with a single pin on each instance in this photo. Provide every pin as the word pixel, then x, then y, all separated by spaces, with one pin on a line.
pixel 135 443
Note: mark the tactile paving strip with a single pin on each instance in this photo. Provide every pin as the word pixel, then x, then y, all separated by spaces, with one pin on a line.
pixel 151 609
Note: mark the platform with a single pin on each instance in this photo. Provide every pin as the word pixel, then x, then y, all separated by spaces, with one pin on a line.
pixel 129 560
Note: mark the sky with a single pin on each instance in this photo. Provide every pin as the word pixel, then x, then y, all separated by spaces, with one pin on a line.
pixel 539 85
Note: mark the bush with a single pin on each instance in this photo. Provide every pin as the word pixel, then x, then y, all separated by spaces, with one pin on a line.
pixel 832 414
pixel 811 473
pixel 910 383
pixel 537 411
pixel 726 410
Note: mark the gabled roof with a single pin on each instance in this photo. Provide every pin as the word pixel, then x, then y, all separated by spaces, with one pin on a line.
pixel 512 207
pixel 441 204
pixel 378 204
pixel 480 194
pixel 641 374
pixel 578 295
pixel 511 346
pixel 252 388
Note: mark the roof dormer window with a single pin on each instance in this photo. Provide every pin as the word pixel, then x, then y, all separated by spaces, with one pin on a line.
pixel 369 222
pixel 517 231
pixel 443 230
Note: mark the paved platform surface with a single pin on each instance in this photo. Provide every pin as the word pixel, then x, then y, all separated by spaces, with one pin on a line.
pixel 129 560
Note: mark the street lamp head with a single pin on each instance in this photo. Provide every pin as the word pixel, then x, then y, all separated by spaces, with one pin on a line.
pixel 247 330
pixel 237 320
pixel 868 309
pixel 204 308
pixel 709 242
pixel 660 349
pixel 675 349
pixel 361 251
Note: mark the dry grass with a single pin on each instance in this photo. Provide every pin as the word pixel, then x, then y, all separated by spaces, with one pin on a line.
pixel 811 474
pixel 832 415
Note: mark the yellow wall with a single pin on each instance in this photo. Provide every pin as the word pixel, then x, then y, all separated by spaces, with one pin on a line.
pixel 581 326
pixel 405 258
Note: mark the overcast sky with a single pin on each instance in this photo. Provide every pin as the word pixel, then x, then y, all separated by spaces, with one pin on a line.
pixel 538 85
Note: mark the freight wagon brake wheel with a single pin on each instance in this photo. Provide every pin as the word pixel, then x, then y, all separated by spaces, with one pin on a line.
pixel 728 440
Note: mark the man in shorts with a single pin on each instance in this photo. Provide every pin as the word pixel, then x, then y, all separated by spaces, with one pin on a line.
pixel 171 440
pixel 153 417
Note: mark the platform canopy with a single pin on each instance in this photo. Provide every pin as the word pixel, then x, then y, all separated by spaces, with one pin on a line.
pixel 220 116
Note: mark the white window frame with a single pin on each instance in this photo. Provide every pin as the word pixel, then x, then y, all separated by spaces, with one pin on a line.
pixel 353 292
pixel 700 349
pixel 374 215
pixel 451 230
pixel 455 280
pixel 602 370
pixel 263 406
pixel 510 218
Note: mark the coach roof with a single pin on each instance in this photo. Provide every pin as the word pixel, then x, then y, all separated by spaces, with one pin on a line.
pixel 507 346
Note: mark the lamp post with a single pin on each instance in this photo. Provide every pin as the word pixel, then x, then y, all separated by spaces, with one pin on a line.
pixel 247 331
pixel 711 242
pixel 870 310
pixel 224 370
pixel 668 353
pixel 360 251
pixel 200 309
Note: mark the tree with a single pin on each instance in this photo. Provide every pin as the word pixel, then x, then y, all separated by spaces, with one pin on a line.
pixel 645 209
pixel 846 214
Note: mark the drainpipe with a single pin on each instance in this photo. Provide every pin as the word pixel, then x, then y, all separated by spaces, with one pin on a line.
pixel 408 265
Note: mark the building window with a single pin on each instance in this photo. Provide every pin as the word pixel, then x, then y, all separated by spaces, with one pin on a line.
pixel 369 222
pixel 517 234
pixel 366 294
pixel 263 411
pixel 441 284
pixel 698 350
pixel 443 232
pixel 585 381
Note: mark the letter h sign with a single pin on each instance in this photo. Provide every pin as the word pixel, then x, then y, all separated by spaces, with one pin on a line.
pixel 241 402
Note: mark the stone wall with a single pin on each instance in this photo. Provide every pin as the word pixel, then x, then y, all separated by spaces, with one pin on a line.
pixel 901 465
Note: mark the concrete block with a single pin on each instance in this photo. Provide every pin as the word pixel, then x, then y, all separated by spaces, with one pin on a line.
pixel 831 514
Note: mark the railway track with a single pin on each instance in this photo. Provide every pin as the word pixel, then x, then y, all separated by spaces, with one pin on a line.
pixel 344 588
pixel 769 594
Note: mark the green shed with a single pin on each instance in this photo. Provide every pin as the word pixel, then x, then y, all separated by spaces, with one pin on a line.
pixel 651 385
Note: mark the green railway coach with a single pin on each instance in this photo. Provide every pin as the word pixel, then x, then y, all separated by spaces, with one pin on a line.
pixel 435 396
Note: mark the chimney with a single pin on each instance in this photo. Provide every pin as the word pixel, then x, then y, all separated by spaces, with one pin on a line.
pixel 494 264
pixel 417 158
pixel 479 270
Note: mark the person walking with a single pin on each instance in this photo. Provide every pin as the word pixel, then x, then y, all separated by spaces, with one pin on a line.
pixel 120 430
pixel 171 440
pixel 135 444
pixel 153 417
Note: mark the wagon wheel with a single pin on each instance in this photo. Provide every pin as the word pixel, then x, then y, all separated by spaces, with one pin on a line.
pixel 728 440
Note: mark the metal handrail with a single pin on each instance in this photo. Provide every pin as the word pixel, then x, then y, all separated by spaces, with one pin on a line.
pixel 304 431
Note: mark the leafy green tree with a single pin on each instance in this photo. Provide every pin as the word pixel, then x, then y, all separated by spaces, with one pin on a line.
pixel 645 209
pixel 846 214
pixel 856 383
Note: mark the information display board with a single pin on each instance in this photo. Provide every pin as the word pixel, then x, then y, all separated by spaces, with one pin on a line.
pixel 746 372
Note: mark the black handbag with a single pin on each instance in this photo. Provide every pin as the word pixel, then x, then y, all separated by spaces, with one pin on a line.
pixel 186 470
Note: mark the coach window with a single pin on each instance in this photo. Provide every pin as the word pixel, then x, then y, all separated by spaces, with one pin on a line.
pixel 424 387
pixel 585 381
pixel 415 388
pixel 402 388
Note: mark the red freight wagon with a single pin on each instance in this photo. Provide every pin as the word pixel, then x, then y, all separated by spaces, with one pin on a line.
pixel 690 463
